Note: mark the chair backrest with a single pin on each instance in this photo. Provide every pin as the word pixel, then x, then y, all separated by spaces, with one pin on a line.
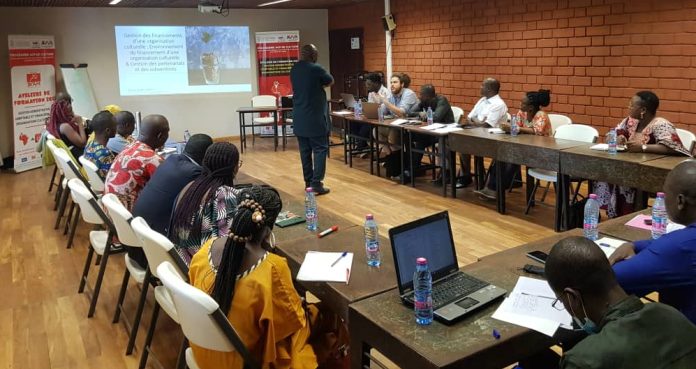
pixel 687 138
pixel 558 120
pixel 157 248
pixel 89 206
pixel 95 181
pixel 264 101
pixel 458 112
pixel 49 136
pixel 53 149
pixel 201 319
pixel 577 132
pixel 121 218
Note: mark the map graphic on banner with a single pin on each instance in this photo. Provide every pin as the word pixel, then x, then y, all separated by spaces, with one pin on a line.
pixel 276 53
pixel 33 76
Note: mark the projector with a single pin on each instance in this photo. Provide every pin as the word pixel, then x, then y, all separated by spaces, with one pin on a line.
pixel 207 7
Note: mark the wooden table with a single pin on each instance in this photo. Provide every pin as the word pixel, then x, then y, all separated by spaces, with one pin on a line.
pixel 365 281
pixel 443 154
pixel 655 171
pixel 384 323
pixel 251 110
pixel 617 228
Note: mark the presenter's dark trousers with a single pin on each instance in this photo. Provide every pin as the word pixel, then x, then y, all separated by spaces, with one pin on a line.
pixel 313 151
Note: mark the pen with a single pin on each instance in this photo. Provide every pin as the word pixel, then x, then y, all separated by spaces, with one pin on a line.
pixel 606 245
pixel 327 232
pixel 339 258
pixel 347 275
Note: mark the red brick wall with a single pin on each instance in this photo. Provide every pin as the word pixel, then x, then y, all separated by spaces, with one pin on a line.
pixel 592 54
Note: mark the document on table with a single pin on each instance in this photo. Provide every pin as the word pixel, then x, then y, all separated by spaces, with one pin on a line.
pixel 496 130
pixel 432 127
pixel 605 147
pixel 316 267
pixel 449 128
pixel 343 112
pixel 529 306
pixel 399 122
pixel 609 245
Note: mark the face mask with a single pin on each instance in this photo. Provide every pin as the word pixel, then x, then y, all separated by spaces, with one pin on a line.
pixel 586 324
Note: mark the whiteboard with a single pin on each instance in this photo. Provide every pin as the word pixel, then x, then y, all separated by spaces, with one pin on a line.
pixel 79 86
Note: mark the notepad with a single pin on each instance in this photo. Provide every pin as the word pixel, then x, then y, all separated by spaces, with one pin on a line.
pixel 432 127
pixel 609 245
pixel 316 267
pixel 343 112
pixel 398 122
pixel 496 130
pixel 605 147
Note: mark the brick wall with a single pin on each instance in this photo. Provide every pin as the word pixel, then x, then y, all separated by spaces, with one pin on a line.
pixel 592 54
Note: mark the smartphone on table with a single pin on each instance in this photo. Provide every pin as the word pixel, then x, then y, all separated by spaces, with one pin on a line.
pixel 539 256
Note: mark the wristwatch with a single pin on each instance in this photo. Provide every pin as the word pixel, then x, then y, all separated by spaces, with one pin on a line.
pixel 644 147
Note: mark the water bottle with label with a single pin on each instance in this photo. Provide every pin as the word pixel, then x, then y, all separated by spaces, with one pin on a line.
pixel 311 215
pixel 187 135
pixel 423 292
pixel 374 257
pixel 611 141
pixel 591 218
pixel 358 108
pixel 380 114
pixel 514 128
pixel 429 115
pixel 659 216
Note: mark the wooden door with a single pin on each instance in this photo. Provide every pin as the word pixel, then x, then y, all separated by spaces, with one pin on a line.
pixel 347 63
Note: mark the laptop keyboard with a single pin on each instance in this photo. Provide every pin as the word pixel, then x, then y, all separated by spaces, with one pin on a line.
pixel 455 286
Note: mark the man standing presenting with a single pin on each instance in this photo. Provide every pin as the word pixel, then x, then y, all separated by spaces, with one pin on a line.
pixel 310 113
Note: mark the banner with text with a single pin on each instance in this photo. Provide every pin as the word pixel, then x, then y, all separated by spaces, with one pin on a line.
pixel 33 76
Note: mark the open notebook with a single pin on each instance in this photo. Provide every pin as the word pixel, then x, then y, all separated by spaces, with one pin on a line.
pixel 317 267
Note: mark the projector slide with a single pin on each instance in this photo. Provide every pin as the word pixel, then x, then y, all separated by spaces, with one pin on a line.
pixel 163 60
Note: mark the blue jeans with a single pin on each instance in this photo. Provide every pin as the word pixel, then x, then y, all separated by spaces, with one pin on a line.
pixel 313 151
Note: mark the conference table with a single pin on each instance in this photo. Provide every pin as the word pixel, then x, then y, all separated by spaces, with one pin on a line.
pixel 243 111
pixel 382 322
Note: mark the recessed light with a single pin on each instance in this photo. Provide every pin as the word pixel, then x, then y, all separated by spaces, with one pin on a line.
pixel 273 2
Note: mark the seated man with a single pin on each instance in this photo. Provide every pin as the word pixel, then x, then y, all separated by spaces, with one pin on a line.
pixel 125 125
pixel 442 113
pixel 135 165
pixel 104 127
pixel 668 264
pixel 375 90
pixel 622 331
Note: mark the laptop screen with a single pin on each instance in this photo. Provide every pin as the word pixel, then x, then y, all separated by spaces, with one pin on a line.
pixel 430 238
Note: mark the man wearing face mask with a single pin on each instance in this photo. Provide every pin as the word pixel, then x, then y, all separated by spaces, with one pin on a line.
pixel 668 264
pixel 622 331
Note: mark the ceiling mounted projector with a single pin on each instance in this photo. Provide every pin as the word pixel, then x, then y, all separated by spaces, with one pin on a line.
pixel 208 7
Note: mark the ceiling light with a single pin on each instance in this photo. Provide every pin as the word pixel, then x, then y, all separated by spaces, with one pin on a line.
pixel 114 2
pixel 273 2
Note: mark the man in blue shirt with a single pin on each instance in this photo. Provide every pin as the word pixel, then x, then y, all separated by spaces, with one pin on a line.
pixel 125 125
pixel 156 200
pixel 668 264
pixel 310 116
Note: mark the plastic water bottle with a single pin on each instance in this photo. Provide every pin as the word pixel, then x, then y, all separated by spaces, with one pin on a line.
pixel 429 115
pixel 423 293
pixel 659 216
pixel 514 128
pixel 611 141
pixel 374 257
pixel 591 218
pixel 310 205
pixel 358 108
pixel 187 135
pixel 380 114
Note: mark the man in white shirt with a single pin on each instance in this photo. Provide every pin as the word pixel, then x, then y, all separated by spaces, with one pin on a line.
pixel 490 109
pixel 376 91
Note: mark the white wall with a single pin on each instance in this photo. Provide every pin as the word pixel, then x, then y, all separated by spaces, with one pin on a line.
pixel 86 35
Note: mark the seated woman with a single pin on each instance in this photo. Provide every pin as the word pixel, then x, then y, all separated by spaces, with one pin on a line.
pixel 64 124
pixel 641 131
pixel 540 125
pixel 205 207
pixel 255 289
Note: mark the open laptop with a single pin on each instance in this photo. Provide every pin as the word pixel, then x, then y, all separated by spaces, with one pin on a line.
pixel 455 294
pixel 370 110
pixel 348 100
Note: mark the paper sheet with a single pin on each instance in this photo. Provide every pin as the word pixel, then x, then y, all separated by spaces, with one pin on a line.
pixel 496 130
pixel 343 112
pixel 609 245
pixel 433 126
pixel 605 147
pixel 448 129
pixel 399 122
pixel 529 306
pixel 317 267
pixel 639 222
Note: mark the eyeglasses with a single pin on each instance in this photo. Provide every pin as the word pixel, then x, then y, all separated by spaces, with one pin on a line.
pixel 558 305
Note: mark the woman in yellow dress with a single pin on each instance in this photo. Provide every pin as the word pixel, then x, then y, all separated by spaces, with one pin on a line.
pixel 255 288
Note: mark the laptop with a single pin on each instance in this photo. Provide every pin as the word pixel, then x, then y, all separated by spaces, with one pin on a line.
pixel 370 110
pixel 348 100
pixel 455 294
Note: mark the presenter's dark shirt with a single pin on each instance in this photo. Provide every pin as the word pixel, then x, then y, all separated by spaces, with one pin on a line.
pixel 310 116
pixel 157 198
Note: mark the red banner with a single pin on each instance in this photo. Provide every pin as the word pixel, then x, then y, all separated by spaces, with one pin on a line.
pixel 33 74
pixel 276 53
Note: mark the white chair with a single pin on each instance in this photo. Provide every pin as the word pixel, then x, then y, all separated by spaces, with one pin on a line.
pixel 158 249
pixel 687 138
pixel 458 112
pixel 121 218
pixel 70 170
pixel 100 241
pixel 49 138
pixel 95 181
pixel 574 132
pixel 558 120
pixel 201 319
pixel 262 101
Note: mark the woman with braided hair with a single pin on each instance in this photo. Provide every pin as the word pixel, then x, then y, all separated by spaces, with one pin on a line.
pixel 254 287
pixel 205 207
